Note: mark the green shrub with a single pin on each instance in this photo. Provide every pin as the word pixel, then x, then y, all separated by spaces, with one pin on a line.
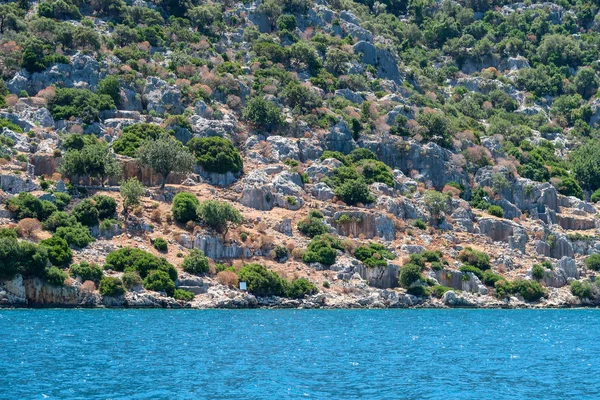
pixel 55 276
pixel 312 226
pixel 62 200
pixel 469 268
pixel 593 262
pixel 218 215
pixel 322 249
pixel 529 290
pixel 76 235
pixel 106 205
pixel 133 259
pixel 409 274
pixel 110 286
pixel 131 191
pixel 353 192
pixel 595 196
pixel 299 288
pixel 184 295
pixel 160 281
pixel 160 244
pixel 439 290
pixel 475 258
pixel 537 272
pixel 10 233
pixel 131 279
pixel 432 255
pixel 419 223
pixel 373 255
pixel 59 252
pixel 496 211
pixel 216 154
pixel 582 289
pixel 262 282
pixel 490 278
pixel 185 207
pixel 26 205
pixel 58 219
pixel 281 253
pixel 86 271
pixel 263 113
pixel 79 103
pixel 21 258
pixel 195 262
pixel 86 212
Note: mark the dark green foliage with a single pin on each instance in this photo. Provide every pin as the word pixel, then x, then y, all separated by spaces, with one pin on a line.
pixel 300 288
pixel 300 98
pixel 375 171
pixel 111 287
pixel 76 235
pixel 263 113
pixel 322 249
pixel 216 154
pixel 432 255
pixel 4 123
pixel 312 226
pixel 409 274
pixel 475 258
pixel 80 103
pixel 86 212
pixel 131 279
pixel 360 154
pixel 26 205
pixel 62 200
pixel 94 159
pixel 490 278
pixel 281 253
pixel 582 289
pixel 160 281
pixel 184 295
pixel 111 87
pixel 18 257
pixel 261 281
pixel 10 233
pixel 373 255
pixel 160 244
pixel 184 207
pixel 496 211
pixel 353 192
pixel 478 199
pixel 55 276
pixel 469 268
pixel 537 272
pixel 529 290
pixel 586 165
pixel 58 219
pixel 132 137
pixel 593 262
pixel 439 290
pixel 133 259
pixel 86 271
pixel 106 205
pixel 219 215
pixel 419 223
pixel 166 155
pixel 59 252
pixel 595 197
pixel 195 262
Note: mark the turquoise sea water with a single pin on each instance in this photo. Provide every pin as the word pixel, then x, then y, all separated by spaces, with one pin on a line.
pixel 293 354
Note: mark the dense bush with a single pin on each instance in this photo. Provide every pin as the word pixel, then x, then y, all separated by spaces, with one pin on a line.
pixel 58 219
pixel 131 191
pixel 59 252
pixel 373 255
pixel 353 192
pixel 131 279
pixel 529 290
pixel 184 295
pixel 80 103
pixel 475 258
pixel 76 235
pixel 195 262
pixel 160 244
pixel 216 154
pixel 110 286
pixel 263 113
pixel 582 289
pixel 312 226
pixel 538 272
pixel 322 249
pixel 159 281
pixel 474 270
pixel 262 282
pixel 185 207
pixel 106 205
pixel 593 262
pixel 55 276
pixel 299 288
pixel 490 278
pixel 595 197
pixel 86 212
pixel 409 274
pixel 18 257
pixel 133 259
pixel 26 205
pixel 496 211
pixel 218 215
pixel 86 271
pixel 132 137
pixel 62 200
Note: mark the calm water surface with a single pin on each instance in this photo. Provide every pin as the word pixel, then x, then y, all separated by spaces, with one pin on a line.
pixel 291 354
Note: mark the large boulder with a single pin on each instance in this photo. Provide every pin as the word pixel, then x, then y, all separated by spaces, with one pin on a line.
pixel 500 230
pixel 383 60
pixel 161 97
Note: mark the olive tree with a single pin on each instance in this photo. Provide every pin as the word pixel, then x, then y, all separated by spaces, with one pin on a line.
pixel 166 155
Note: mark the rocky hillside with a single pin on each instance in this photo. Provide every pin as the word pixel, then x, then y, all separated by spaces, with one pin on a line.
pixel 328 154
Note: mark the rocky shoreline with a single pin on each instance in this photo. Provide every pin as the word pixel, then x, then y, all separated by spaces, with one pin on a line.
pixel 34 293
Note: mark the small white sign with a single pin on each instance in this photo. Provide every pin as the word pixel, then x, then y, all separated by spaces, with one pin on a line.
pixel 242 285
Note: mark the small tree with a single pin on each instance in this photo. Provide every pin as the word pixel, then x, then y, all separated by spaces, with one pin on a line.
pixel 166 155
pixel 94 160
pixel 218 215
pixel 263 113
pixel 435 202
pixel 111 87
pixel 195 263
pixel 184 207
pixel 131 190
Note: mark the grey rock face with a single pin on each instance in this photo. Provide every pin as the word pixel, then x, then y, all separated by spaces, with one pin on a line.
pixel 504 231
pixel 339 138
pixel 161 97
pixel 214 248
pixel 380 277
pixel 349 95
pixel 16 184
pixel 383 60
pixel 321 191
